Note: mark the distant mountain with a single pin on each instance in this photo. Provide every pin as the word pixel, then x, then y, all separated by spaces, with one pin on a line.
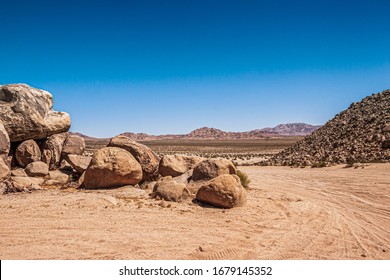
pixel 290 129
pixel 86 137
pixel 213 133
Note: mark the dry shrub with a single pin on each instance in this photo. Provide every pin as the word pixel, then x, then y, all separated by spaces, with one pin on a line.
pixel 245 181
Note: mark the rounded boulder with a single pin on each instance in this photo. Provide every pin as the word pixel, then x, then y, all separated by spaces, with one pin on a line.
pixel 211 168
pixel 28 151
pixel 73 144
pixel 224 191
pixel 176 165
pixel 37 169
pixel 112 167
pixel 148 159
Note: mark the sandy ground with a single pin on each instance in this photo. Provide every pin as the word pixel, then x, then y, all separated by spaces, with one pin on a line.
pixel 291 213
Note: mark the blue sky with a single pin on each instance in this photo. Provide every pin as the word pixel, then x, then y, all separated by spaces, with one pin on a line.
pixel 173 66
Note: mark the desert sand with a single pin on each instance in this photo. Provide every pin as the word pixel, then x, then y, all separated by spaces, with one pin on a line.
pixel 291 213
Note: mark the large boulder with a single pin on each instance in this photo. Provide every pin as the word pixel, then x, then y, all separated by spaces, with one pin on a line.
pixel 224 191
pixel 28 151
pixel 52 148
pixel 79 163
pixel 176 165
pixel 112 167
pixel 37 169
pixel 4 141
pixel 73 144
pixel 211 168
pixel 27 113
pixel 168 189
pixel 148 159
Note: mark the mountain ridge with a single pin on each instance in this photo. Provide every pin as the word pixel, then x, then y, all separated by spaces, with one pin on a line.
pixel 289 129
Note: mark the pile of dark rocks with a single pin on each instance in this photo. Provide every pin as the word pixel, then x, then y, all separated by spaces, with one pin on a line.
pixel 359 134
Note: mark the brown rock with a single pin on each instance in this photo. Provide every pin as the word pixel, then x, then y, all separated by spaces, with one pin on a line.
pixel 10 186
pixel 28 151
pixel 112 167
pixel 59 176
pixel 212 168
pixel 185 177
pixel 4 186
pixel 4 141
pixel 223 191
pixel 28 180
pixel 27 113
pixel 65 165
pixel 144 155
pixel 4 169
pixel 73 145
pixel 19 172
pixel 176 165
pixel 80 182
pixel 168 189
pixel 37 169
pixel 79 163
pixel 52 149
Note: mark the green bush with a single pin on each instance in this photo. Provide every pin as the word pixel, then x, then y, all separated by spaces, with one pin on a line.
pixel 243 178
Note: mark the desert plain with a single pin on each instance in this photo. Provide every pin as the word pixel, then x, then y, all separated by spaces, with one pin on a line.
pixel 291 213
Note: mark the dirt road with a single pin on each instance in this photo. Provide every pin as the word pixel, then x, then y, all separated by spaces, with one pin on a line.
pixel 327 213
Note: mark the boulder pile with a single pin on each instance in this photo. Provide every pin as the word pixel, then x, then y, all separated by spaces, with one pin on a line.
pixel 33 138
pixel 36 150
pixel 361 134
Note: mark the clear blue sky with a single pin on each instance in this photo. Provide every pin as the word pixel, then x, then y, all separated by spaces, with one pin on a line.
pixel 173 66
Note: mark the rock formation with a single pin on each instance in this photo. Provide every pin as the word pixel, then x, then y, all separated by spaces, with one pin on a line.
pixel 358 134
pixel 30 132
pixel 27 113
pixel 148 159
pixel 36 150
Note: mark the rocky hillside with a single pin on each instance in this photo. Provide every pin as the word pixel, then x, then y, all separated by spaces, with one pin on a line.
pixel 359 134
pixel 292 129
